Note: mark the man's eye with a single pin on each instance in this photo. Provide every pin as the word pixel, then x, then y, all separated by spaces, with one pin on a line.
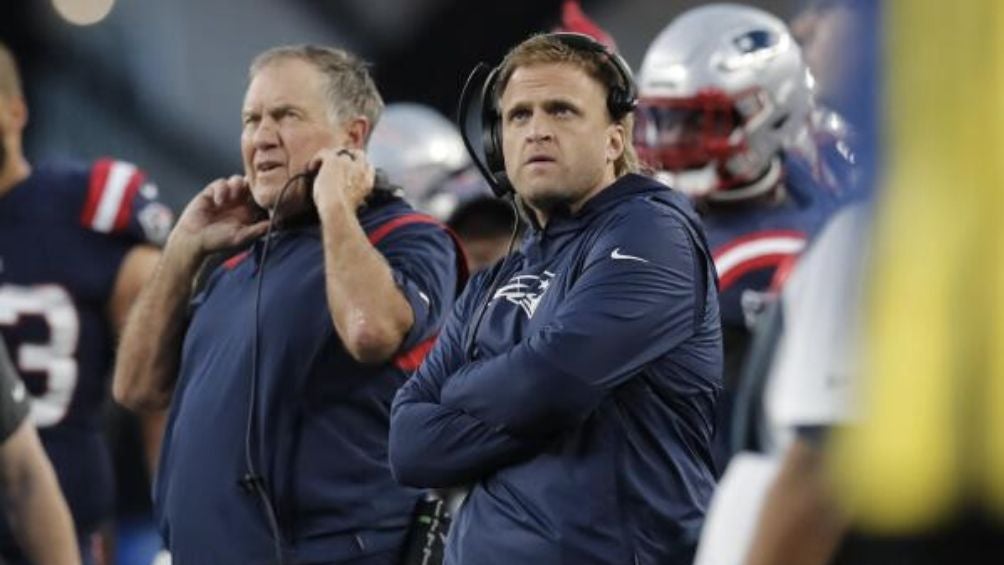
pixel 288 114
pixel 519 115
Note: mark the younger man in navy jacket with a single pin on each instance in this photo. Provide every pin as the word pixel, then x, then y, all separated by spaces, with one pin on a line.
pixel 581 413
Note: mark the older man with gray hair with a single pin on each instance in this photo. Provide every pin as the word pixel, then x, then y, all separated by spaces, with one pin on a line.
pixel 280 368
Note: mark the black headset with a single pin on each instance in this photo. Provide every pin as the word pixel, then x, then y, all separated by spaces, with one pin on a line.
pixel 621 100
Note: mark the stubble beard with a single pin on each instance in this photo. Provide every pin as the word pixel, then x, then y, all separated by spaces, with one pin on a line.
pixel 550 203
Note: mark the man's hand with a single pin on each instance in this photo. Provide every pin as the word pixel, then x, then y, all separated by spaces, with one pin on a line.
pixel 221 216
pixel 344 178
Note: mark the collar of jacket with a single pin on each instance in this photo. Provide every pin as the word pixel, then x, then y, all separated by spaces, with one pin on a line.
pixel 621 189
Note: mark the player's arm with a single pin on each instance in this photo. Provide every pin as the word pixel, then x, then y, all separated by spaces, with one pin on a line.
pixel 35 506
pixel 634 300
pixel 799 522
pixel 146 364
pixel 370 313
pixel 219 217
pixel 433 445
pixel 135 271
pixel 33 503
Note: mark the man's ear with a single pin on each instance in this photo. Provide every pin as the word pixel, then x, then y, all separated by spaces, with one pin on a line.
pixel 358 131
pixel 616 140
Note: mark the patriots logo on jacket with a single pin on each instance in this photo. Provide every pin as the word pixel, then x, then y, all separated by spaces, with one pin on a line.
pixel 526 291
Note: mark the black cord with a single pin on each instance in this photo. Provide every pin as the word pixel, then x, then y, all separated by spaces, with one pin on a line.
pixel 252 481
pixel 496 279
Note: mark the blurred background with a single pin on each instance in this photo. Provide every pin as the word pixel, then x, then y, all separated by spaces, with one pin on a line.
pixel 161 83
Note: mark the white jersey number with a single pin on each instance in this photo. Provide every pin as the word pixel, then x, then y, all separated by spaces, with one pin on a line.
pixel 55 359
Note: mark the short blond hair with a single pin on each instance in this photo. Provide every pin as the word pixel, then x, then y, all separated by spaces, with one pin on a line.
pixel 546 49
pixel 10 79
pixel 351 91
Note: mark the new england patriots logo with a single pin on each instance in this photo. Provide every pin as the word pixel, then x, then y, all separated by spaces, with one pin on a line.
pixel 755 41
pixel 526 291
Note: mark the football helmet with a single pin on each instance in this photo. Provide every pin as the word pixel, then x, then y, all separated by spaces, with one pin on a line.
pixel 419 149
pixel 723 89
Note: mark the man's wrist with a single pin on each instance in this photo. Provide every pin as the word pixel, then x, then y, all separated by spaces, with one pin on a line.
pixel 336 209
pixel 182 256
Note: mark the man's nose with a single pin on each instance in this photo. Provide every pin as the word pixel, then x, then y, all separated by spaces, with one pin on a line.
pixel 539 128
pixel 266 134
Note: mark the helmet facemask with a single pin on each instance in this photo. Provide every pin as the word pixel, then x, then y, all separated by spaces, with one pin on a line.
pixel 723 91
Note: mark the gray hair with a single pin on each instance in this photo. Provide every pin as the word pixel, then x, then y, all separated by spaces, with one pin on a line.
pixel 350 90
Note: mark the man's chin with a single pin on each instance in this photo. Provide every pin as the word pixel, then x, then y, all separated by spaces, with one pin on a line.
pixel 263 194
pixel 266 192
pixel 548 201
pixel 294 200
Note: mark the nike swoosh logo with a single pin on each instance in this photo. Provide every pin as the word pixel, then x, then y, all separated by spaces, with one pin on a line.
pixel 616 254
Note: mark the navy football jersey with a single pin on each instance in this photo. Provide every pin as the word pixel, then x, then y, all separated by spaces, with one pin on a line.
pixel 64 232
pixel 751 242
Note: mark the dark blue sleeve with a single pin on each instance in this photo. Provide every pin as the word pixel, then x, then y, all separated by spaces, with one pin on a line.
pixel 633 302
pixel 423 260
pixel 432 445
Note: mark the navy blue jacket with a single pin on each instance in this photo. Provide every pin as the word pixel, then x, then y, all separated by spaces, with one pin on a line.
pixel 320 433
pixel 583 423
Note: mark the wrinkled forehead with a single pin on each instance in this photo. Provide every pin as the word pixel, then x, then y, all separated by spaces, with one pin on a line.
pixel 286 82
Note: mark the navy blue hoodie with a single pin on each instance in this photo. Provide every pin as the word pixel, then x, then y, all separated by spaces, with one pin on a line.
pixel 319 436
pixel 583 422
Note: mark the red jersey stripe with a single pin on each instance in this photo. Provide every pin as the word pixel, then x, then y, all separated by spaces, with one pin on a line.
pixel 99 178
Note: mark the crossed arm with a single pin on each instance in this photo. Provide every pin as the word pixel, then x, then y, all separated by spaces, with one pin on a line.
pixel 456 421
pixel 433 445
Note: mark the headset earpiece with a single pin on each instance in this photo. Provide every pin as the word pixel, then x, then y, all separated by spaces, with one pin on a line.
pixel 491 122
pixel 621 100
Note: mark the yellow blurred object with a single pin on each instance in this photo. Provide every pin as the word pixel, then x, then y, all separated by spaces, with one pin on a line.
pixel 933 372
pixel 994 399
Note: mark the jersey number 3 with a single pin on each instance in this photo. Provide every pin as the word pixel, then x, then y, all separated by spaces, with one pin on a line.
pixel 53 360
